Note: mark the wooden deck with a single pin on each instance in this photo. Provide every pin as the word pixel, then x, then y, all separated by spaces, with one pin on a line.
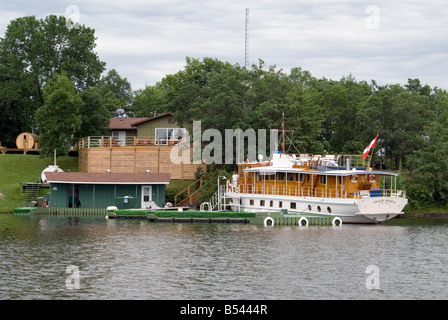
pixel 133 158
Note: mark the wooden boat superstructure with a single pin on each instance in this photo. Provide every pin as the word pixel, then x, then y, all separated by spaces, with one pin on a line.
pixel 319 185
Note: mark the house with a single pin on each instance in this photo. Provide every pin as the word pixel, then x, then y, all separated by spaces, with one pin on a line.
pixel 162 129
pixel 100 190
pixel 136 145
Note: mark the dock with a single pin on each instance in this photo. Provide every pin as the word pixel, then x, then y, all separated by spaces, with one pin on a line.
pixel 267 219
pixel 262 218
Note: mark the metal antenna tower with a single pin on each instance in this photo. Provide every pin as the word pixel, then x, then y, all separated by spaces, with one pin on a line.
pixel 246 56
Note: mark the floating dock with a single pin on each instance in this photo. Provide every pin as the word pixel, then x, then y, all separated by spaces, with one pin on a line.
pixel 194 216
pixel 263 218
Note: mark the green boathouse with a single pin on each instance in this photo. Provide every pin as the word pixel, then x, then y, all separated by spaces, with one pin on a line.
pixel 100 190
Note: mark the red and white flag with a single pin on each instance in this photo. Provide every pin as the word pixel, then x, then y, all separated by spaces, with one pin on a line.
pixel 370 146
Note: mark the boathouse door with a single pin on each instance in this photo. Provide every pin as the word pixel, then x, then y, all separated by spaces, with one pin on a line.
pixel 146 196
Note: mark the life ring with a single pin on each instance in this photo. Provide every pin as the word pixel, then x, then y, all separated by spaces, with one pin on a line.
pixel 372 178
pixel 268 221
pixel 301 220
pixel 354 178
pixel 336 222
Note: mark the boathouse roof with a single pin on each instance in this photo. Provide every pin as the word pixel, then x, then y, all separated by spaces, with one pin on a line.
pixel 108 178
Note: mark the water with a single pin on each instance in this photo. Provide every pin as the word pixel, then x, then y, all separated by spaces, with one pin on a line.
pixel 137 259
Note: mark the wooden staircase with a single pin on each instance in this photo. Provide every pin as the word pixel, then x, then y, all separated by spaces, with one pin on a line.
pixel 192 194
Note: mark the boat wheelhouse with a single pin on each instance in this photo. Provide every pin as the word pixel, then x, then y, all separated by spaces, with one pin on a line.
pixel 319 185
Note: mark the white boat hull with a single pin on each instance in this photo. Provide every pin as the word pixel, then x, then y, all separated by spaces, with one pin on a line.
pixel 364 210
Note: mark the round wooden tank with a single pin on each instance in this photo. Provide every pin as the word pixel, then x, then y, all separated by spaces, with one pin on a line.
pixel 27 140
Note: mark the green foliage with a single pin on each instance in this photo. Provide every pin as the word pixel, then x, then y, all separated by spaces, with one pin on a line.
pixel 116 92
pixel 59 119
pixel 32 53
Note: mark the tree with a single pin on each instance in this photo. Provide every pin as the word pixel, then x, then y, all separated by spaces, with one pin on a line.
pixel 59 118
pixel 149 101
pixel 94 114
pixel 116 91
pixel 32 53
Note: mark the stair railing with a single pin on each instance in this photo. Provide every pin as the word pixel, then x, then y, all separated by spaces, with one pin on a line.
pixel 188 190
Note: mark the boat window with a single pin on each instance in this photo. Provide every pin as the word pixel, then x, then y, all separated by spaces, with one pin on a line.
pixel 271 204
pixel 323 179
pixel 293 205
pixel 281 176
pixel 280 204
pixel 251 201
pixel 262 203
pixel 299 177
pixel 290 176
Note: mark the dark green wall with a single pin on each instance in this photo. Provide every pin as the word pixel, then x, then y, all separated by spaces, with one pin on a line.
pixel 103 195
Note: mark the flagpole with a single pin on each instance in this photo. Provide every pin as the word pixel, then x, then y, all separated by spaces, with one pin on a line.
pixel 370 159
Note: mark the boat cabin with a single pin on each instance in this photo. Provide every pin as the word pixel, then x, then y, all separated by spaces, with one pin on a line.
pixel 310 177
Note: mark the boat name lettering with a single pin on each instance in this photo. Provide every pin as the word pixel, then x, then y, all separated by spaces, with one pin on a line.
pixel 384 201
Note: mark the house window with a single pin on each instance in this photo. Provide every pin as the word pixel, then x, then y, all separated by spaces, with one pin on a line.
pixel 166 136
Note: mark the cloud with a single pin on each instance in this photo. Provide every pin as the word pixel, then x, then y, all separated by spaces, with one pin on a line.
pixel 387 41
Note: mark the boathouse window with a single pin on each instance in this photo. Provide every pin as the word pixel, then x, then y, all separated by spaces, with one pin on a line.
pixel 251 202
pixel 293 205
pixel 262 203
pixel 281 176
pixel 290 176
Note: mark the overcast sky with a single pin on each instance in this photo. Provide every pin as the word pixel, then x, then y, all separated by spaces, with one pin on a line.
pixel 387 41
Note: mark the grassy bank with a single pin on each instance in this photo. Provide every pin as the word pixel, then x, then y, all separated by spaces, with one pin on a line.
pixel 17 168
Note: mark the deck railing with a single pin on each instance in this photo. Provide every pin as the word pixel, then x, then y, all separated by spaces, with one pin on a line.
pixel 295 191
pixel 114 142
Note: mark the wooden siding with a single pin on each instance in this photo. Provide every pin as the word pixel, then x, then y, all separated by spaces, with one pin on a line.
pixel 148 129
pixel 103 195
pixel 129 159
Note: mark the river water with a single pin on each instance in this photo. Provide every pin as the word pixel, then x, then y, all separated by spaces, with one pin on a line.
pixel 70 258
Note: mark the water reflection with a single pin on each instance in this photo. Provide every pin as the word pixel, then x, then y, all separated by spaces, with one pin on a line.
pixel 136 259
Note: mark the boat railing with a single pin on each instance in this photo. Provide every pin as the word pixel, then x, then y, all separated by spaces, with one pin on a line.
pixel 294 191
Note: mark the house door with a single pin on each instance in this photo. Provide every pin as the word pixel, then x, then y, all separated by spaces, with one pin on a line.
pixel 146 196
pixel 120 136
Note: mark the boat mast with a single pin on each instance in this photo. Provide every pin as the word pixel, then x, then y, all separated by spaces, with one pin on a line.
pixel 283 132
